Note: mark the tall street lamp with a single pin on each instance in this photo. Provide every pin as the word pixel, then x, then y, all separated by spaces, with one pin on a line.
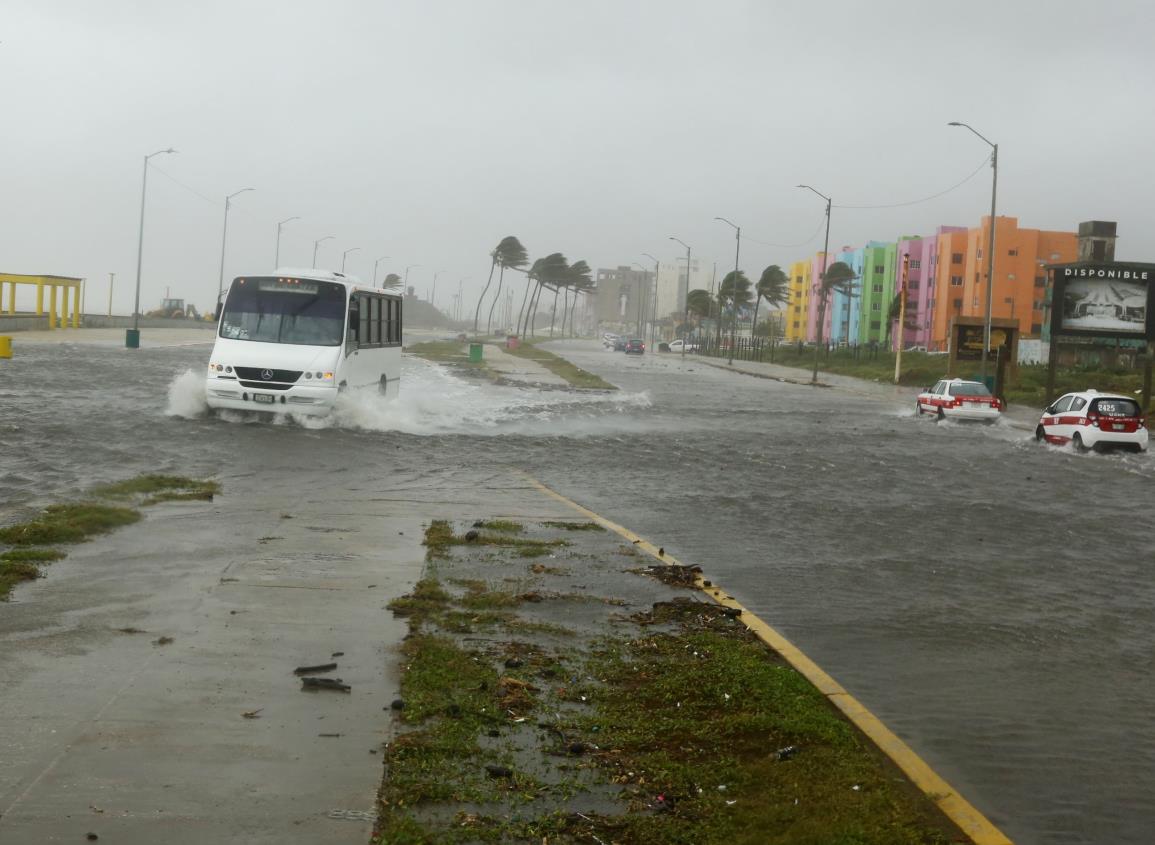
pixel 375 263
pixel 224 238
pixel 822 291
pixel 345 255
pixel 685 296
pixel 990 241
pixel 653 297
pixel 433 295
pixel 277 255
pixel 734 287
pixel 316 244
pixel 132 336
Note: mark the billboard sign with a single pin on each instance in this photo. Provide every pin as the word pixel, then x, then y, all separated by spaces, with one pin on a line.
pixel 968 341
pixel 1103 300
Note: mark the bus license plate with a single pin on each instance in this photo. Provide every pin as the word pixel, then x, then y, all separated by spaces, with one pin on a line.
pixel 264 397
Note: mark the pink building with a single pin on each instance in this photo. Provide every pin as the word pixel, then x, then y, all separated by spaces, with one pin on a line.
pixel 921 295
pixel 816 270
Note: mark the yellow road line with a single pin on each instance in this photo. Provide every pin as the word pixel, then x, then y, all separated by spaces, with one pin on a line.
pixel 972 822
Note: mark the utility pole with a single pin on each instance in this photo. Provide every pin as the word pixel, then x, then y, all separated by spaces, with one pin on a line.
pixel 821 288
pixel 111 282
pixel 901 315
pixel 685 296
pixel 734 287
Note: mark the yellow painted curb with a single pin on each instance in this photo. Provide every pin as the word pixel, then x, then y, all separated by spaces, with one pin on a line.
pixel 973 823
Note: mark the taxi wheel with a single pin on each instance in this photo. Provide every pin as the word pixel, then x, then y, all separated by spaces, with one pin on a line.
pixel 1040 435
pixel 917 408
pixel 1077 442
pixel 941 416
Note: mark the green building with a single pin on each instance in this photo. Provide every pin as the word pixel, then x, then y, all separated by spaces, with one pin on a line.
pixel 877 290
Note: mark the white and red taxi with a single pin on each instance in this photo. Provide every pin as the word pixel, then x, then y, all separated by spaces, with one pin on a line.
pixel 1093 420
pixel 959 399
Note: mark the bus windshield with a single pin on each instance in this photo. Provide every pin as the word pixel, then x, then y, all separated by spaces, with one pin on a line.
pixel 305 312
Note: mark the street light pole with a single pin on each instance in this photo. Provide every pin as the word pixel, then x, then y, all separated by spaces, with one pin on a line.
pixel 375 263
pixel 822 291
pixel 224 238
pixel 277 255
pixel 734 287
pixel 433 295
pixel 990 241
pixel 686 296
pixel 653 298
pixel 132 341
pixel 316 244
pixel 345 254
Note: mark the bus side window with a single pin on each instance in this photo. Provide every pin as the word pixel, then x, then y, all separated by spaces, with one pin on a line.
pixel 375 321
pixel 354 324
pixel 363 332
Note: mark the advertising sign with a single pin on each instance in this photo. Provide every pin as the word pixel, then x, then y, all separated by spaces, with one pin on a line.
pixel 968 341
pixel 1103 300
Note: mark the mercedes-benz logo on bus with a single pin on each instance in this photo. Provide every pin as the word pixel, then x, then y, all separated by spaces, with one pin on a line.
pixel 266 374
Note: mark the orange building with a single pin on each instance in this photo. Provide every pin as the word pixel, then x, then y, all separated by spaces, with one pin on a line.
pixel 1020 277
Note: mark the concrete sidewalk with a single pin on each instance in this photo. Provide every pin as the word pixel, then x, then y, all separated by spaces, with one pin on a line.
pixel 111 729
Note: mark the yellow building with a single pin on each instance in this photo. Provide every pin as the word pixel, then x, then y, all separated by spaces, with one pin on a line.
pixel 795 312
pixel 60 315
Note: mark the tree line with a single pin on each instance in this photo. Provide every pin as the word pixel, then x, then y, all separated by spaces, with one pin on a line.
pixel 736 292
pixel 553 273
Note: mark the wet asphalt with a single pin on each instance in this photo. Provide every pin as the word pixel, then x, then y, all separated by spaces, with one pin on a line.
pixel 987 597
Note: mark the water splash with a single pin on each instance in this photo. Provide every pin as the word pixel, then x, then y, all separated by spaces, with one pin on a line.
pixel 186 396
pixel 433 401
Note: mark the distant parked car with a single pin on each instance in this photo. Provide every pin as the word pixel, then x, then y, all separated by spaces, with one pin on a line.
pixel 1092 420
pixel 608 340
pixel 677 345
pixel 619 344
pixel 959 399
pixel 635 346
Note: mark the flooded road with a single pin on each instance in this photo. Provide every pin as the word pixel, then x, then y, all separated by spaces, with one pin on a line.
pixel 988 598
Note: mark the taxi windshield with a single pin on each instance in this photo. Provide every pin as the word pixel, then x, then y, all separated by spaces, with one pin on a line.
pixel 969 389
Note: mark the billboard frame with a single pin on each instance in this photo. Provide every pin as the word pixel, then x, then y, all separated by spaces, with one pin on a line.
pixel 1127 271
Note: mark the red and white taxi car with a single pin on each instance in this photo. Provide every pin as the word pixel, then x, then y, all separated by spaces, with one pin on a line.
pixel 959 399
pixel 1093 420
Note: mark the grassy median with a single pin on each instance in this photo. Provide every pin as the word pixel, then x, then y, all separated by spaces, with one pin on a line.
pixel 668 724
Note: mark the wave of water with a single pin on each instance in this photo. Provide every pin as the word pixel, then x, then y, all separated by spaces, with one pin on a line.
pixel 433 401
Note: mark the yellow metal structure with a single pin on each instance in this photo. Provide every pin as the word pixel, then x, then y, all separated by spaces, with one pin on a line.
pixel 5 346
pixel 61 317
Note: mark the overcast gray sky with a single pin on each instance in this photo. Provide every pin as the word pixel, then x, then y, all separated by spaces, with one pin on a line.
pixel 427 131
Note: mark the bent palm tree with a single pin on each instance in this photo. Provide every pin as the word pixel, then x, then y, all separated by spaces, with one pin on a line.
pixel 392 282
pixel 838 277
pixel 509 253
pixel 485 290
pixel 580 282
pixel 774 287
pixel 735 292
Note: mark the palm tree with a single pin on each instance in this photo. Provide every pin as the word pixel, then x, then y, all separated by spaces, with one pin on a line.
pixel 581 282
pixel 774 287
pixel 509 253
pixel 735 292
pixel 838 277
pixel 546 272
pixel 485 290
pixel 392 282
pixel 700 304
pixel 531 277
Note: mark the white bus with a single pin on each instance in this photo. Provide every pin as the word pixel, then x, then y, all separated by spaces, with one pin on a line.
pixel 294 340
